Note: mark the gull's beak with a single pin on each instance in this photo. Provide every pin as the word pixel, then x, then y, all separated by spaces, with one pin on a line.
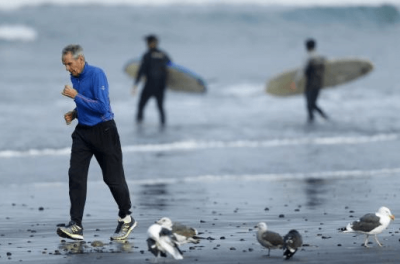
pixel 391 217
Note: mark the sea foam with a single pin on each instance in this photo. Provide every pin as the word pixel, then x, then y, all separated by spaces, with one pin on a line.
pixel 17 33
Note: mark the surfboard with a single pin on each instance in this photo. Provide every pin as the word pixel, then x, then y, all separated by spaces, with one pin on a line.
pixel 179 77
pixel 337 71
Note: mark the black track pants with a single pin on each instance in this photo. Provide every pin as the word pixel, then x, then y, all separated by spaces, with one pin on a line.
pixel 102 141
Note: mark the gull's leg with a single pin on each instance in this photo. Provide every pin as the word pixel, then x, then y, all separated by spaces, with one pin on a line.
pixel 376 239
pixel 366 241
pixel 156 258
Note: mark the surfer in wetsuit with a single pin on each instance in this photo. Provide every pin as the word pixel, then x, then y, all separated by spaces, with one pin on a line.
pixel 313 71
pixel 154 67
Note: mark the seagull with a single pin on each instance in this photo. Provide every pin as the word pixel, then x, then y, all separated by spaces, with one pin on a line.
pixel 291 242
pixel 161 240
pixel 370 224
pixel 182 233
pixel 268 239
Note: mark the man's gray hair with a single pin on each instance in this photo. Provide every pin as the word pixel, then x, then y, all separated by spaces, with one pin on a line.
pixel 75 50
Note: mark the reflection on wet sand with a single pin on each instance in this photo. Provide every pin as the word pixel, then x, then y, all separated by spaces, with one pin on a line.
pixel 154 196
pixel 315 188
pixel 97 246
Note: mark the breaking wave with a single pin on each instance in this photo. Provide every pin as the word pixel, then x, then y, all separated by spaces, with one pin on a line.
pixel 17 33
pixel 383 14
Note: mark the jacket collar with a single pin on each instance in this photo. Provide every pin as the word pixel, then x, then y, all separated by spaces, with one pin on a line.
pixel 84 71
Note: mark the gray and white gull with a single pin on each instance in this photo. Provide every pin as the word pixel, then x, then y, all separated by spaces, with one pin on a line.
pixel 268 239
pixel 161 241
pixel 371 224
pixel 183 234
pixel 292 241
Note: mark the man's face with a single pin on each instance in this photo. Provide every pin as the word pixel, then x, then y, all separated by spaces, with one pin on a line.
pixel 74 66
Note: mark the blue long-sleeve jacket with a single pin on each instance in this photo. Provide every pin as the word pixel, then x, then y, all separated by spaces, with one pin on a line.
pixel 92 101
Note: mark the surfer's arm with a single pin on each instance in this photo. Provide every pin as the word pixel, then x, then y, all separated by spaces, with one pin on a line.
pixel 139 75
pixel 137 79
pixel 142 69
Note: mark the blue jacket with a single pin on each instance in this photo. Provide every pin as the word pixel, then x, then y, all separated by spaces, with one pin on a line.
pixel 92 101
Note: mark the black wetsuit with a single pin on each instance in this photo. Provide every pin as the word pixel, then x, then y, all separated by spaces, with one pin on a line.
pixel 154 68
pixel 314 73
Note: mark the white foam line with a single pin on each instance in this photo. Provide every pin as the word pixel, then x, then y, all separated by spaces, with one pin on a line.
pixel 192 145
pixel 272 177
pixel 344 174
pixel 199 145
pixel 34 152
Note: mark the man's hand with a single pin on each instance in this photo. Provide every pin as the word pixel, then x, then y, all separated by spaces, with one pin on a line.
pixel 69 92
pixel 70 116
pixel 134 90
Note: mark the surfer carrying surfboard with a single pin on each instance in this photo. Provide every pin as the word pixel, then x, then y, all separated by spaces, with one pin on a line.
pixel 313 70
pixel 154 67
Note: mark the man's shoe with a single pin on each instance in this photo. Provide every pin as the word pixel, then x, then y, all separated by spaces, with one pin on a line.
pixel 124 229
pixel 71 231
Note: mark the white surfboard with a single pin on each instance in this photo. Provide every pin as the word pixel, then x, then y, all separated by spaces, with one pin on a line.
pixel 337 71
pixel 179 77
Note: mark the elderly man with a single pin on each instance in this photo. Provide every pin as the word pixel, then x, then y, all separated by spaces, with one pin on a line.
pixel 96 135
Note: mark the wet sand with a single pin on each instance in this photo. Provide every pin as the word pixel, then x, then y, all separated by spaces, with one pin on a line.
pixel 224 211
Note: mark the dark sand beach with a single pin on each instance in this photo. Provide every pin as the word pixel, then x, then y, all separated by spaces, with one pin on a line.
pixel 224 211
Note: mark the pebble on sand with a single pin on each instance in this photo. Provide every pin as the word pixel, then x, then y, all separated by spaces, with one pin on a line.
pixel 97 243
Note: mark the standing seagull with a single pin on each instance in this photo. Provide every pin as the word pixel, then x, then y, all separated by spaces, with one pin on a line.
pixel 370 224
pixel 268 239
pixel 291 242
pixel 161 240
pixel 182 233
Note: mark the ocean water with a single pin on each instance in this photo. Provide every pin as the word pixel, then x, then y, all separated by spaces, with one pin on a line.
pixel 233 129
